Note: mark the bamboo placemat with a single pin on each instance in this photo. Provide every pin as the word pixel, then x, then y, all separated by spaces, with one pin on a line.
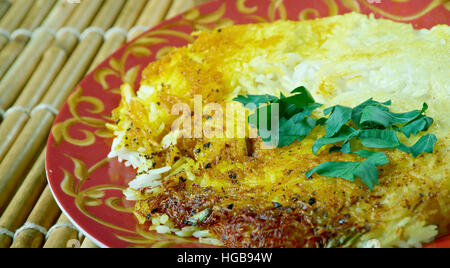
pixel 46 47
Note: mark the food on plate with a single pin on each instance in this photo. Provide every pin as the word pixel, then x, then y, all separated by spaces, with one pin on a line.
pixel 338 135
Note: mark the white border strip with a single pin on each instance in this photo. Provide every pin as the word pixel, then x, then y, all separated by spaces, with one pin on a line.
pixel 68 30
pixel 4 231
pixel 44 29
pixel 63 225
pixel 128 34
pixel 18 32
pixel 32 226
pixel 44 106
pixel 115 30
pixel 132 31
pixel 92 30
pixel 16 108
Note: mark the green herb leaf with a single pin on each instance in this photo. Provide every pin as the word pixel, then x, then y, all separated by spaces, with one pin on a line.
pixel 423 123
pixel 404 118
pixel 358 110
pixel 336 169
pixel 346 148
pixel 262 119
pixel 377 138
pixel 257 100
pixel 301 102
pixel 344 135
pixel 340 116
pixel 373 115
pixel 304 94
pixel 294 116
pixel 378 158
pixel 424 145
pixel 321 122
pixel 287 110
pixel 295 129
pixel 366 171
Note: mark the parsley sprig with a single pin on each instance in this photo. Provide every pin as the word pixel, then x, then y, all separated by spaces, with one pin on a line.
pixel 295 121
pixel 371 125
pixel 366 170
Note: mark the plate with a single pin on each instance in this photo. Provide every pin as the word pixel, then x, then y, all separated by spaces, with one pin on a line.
pixel 88 187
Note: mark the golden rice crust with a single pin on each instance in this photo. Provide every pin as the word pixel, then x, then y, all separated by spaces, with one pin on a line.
pixel 413 194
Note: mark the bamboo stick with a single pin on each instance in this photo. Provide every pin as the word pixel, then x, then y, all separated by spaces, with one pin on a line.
pixel 16 77
pixel 113 41
pixel 79 62
pixel 131 12
pixel 180 6
pixel 4 6
pixel 52 62
pixel 13 167
pixel 61 236
pixel 155 12
pixel 87 243
pixel 166 10
pixel 23 201
pixel 13 18
pixel 150 18
pixel 60 15
pixel 35 131
pixel 37 14
pixel 44 214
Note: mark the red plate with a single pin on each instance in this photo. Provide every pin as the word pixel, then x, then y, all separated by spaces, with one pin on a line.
pixel 88 187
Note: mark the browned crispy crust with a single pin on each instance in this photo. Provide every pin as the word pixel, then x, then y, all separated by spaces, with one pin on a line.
pixel 255 225
pixel 306 216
